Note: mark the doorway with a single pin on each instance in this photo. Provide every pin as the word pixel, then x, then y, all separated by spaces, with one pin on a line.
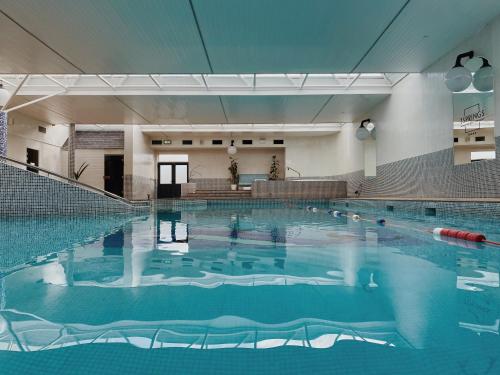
pixel 170 178
pixel 32 159
pixel 113 174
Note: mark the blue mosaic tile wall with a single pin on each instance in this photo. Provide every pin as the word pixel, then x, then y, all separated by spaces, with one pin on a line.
pixel 24 193
pixel 430 210
pixel 3 133
pixel 432 175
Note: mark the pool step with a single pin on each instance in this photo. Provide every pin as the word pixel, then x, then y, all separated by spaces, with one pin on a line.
pixel 219 194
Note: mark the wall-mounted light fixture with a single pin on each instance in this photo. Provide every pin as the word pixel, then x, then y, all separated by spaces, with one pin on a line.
pixel 231 150
pixel 364 131
pixel 459 78
pixel 484 77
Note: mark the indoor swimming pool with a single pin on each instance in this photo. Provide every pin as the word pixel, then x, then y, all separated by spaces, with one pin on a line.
pixel 242 289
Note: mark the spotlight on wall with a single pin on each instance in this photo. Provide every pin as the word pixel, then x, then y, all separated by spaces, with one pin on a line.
pixel 483 78
pixel 4 95
pixel 231 150
pixel 459 77
pixel 363 132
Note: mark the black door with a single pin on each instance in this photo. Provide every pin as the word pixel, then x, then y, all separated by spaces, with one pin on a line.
pixel 113 174
pixel 32 159
pixel 170 178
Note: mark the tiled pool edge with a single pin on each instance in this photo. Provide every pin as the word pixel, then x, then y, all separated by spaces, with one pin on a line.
pixel 423 208
pixel 404 208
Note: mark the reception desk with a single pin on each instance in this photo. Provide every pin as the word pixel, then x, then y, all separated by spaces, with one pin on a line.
pixel 300 189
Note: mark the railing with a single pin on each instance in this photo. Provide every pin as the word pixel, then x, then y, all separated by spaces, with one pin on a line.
pixel 296 171
pixel 65 179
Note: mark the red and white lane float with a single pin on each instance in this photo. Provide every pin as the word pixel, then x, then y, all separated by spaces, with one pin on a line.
pixel 461 235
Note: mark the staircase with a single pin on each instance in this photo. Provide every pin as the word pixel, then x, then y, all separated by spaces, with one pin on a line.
pixel 219 194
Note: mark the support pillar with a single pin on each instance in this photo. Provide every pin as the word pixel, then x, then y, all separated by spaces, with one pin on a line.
pixel 3 133
pixel 71 150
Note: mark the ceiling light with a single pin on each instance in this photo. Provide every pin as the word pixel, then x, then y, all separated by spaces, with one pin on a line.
pixel 231 150
pixel 483 78
pixel 4 95
pixel 459 78
pixel 370 126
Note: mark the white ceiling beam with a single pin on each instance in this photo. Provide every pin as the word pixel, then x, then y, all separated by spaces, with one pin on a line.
pixel 105 81
pixel 11 97
pixel 156 82
pixel 33 101
pixel 55 81
pixel 202 91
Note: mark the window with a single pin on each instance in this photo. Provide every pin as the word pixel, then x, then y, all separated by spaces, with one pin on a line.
pixel 482 155
pixel 216 141
pixel 481 139
pixel 187 142
pixel 41 129
pixel 455 140
pixel 156 142
pixel 279 142
pixel 172 158
pixel 247 142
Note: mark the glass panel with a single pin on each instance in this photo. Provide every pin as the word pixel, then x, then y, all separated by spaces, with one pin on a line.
pixel 172 158
pixel 165 174
pixel 181 176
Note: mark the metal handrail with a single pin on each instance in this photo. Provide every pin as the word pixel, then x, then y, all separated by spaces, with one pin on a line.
pixel 67 179
pixel 296 171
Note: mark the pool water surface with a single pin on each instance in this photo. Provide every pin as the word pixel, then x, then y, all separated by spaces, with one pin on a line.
pixel 247 290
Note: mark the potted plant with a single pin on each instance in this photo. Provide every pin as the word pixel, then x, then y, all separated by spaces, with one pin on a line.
pixel 233 170
pixel 77 174
pixel 274 172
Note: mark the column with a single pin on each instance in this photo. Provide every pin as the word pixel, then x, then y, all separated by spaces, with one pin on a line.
pixel 3 133
pixel 71 150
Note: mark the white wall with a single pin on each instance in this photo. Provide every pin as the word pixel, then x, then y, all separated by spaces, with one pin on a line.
pixel 94 174
pixel 139 164
pixel 312 156
pixel 214 163
pixel 23 133
pixel 348 151
pixel 418 117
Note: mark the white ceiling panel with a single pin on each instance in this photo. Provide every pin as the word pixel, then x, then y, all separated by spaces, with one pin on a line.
pixel 177 109
pixel 424 31
pixel 80 109
pixel 272 109
pixel 22 53
pixel 115 36
pixel 282 36
pixel 348 108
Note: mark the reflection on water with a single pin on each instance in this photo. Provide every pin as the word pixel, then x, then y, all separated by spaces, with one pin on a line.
pixel 252 279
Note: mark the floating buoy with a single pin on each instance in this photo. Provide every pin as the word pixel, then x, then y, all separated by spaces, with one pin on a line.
pixel 381 221
pixel 356 218
pixel 457 242
pixel 337 213
pixel 460 234
pixel 314 209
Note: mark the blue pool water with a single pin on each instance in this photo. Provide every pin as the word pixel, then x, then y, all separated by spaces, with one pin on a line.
pixel 244 290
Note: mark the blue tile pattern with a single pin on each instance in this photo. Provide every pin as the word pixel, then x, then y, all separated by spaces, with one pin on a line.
pixel 432 175
pixel 24 193
pixel 3 133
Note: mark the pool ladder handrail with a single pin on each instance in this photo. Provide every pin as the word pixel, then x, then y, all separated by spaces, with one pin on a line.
pixel 296 171
pixel 68 180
